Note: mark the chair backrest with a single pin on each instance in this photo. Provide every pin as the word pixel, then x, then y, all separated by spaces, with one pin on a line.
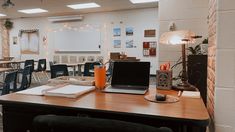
pixel 9 83
pixel 29 63
pixel 42 65
pixel 26 78
pixel 89 66
pixel 49 123
pixel 59 70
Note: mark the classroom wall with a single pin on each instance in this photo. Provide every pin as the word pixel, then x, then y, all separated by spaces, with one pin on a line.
pixel 187 15
pixel 139 19
pixel 225 66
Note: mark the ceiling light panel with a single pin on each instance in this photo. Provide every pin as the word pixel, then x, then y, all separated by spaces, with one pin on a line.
pixel 84 6
pixel 33 11
pixel 142 1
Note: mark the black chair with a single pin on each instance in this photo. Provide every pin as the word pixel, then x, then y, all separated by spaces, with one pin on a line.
pixel 89 66
pixel 28 63
pixel 26 77
pixel 59 70
pixel 41 68
pixel 9 83
pixel 54 123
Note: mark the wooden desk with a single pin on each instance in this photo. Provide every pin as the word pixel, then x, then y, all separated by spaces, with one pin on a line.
pixel 188 113
pixel 16 63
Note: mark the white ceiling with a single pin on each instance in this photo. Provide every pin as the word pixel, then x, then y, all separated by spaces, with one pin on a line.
pixel 58 7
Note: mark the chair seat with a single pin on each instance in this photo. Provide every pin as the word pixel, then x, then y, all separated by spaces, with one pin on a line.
pixel 48 123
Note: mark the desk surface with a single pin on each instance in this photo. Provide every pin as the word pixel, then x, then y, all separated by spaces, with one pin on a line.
pixel 12 61
pixel 5 69
pixel 186 109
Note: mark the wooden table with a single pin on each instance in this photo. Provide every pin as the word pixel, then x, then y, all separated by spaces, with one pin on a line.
pixel 189 114
pixel 13 62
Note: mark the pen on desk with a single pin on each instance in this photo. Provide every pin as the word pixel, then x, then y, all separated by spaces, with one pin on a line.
pixel 179 93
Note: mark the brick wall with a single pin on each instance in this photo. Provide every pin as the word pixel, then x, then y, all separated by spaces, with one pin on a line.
pixel 5 40
pixel 211 57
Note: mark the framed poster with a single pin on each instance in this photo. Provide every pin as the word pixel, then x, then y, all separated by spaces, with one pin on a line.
pixel 116 32
pixel 150 33
pixel 117 43
pixel 129 31
pixel 150 48
pixel 29 41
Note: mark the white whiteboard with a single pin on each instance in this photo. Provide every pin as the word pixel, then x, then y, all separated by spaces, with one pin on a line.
pixel 69 40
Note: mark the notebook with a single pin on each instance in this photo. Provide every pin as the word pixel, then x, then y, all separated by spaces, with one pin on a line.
pixel 69 91
pixel 129 77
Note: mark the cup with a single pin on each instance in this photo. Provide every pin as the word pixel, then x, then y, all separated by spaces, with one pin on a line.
pixel 100 77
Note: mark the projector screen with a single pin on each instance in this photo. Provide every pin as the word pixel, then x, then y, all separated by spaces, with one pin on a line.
pixel 69 40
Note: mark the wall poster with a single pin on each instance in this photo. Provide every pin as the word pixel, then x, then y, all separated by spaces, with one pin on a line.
pixel 29 41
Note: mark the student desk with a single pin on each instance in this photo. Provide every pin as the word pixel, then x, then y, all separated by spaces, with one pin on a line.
pixel 185 115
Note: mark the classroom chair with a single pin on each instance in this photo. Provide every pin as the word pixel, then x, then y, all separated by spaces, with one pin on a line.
pixel 56 123
pixel 41 68
pixel 26 77
pixel 9 84
pixel 88 67
pixel 59 70
pixel 29 63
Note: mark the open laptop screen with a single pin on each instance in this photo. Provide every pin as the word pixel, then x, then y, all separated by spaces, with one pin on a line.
pixel 131 73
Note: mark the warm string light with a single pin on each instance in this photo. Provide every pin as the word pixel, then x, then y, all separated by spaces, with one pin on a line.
pixel 83 27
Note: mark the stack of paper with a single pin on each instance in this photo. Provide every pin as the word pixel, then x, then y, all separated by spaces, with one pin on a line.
pixel 191 94
pixel 36 90
pixel 70 91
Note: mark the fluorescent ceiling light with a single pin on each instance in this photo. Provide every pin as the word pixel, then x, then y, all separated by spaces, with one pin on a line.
pixel 2 15
pixel 84 6
pixel 33 11
pixel 142 1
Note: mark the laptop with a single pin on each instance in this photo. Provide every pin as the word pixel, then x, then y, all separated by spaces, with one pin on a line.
pixel 129 77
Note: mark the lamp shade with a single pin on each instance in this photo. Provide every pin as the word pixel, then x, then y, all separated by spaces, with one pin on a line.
pixel 178 37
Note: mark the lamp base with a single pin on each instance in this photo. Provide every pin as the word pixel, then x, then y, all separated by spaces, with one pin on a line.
pixel 185 86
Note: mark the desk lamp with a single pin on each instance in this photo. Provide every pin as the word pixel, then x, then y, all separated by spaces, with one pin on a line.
pixel 180 37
